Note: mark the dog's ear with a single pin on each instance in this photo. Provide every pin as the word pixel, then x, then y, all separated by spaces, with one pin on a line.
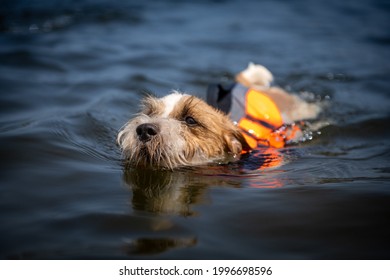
pixel 236 143
pixel 233 145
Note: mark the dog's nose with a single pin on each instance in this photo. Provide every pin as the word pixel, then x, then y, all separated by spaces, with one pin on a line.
pixel 146 131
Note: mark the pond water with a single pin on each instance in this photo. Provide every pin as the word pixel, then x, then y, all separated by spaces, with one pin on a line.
pixel 73 72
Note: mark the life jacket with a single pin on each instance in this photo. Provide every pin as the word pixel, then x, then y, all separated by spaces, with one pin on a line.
pixel 255 114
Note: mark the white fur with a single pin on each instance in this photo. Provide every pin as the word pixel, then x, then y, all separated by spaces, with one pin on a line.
pixel 258 75
pixel 173 146
pixel 170 102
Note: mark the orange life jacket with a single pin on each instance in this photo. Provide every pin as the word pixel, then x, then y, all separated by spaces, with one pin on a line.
pixel 262 122
pixel 254 112
pixel 259 119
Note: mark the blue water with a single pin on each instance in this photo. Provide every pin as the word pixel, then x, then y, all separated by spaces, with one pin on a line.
pixel 73 72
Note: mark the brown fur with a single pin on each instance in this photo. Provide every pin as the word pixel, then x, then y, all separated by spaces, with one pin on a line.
pixel 213 136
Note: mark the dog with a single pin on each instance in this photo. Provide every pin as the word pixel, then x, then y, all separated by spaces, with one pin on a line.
pixel 183 130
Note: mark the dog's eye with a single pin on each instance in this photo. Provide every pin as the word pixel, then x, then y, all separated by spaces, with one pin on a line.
pixel 190 121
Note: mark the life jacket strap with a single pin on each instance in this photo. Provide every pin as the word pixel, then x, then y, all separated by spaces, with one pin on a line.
pixel 277 138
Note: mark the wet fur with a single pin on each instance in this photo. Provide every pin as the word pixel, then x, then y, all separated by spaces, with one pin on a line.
pixel 213 138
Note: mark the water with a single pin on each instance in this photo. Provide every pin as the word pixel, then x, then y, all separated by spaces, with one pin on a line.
pixel 73 72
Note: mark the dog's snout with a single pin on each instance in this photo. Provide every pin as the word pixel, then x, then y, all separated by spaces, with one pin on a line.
pixel 146 131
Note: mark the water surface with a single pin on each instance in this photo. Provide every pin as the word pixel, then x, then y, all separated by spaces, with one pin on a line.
pixel 73 72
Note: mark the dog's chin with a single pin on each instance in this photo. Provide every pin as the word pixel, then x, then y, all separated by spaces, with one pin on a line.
pixel 154 155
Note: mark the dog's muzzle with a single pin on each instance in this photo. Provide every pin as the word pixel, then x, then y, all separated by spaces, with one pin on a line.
pixel 147 131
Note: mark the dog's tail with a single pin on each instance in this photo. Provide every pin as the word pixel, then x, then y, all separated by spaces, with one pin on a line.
pixel 255 75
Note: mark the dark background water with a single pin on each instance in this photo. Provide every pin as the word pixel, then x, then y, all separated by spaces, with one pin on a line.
pixel 73 72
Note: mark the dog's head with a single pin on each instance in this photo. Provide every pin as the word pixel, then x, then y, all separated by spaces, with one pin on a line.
pixel 179 130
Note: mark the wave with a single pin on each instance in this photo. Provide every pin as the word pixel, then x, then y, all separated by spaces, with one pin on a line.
pixel 46 16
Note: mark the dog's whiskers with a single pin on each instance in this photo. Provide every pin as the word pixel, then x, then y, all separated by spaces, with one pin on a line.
pixel 160 137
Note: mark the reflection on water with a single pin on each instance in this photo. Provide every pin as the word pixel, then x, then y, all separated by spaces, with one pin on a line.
pixel 150 246
pixel 176 191
pixel 162 191
pixel 179 192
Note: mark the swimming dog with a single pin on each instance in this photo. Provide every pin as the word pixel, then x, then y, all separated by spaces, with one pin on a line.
pixel 183 130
